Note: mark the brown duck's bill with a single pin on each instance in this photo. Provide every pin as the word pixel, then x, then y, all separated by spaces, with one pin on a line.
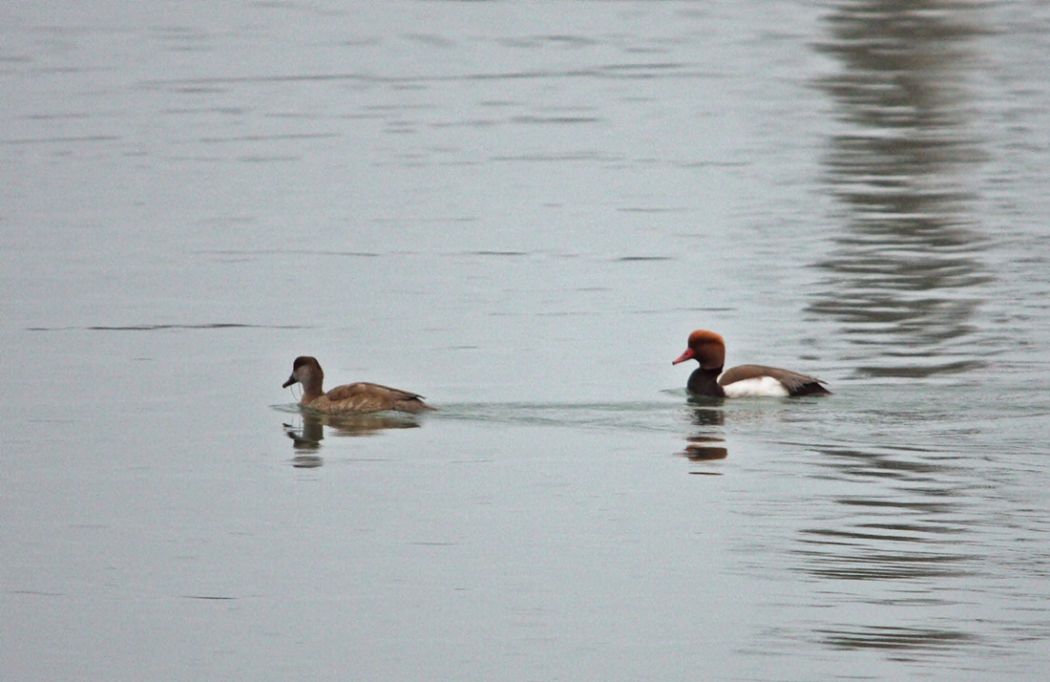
pixel 688 354
pixel 291 380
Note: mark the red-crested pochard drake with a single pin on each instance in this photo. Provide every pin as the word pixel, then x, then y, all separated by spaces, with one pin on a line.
pixel 353 398
pixel 709 349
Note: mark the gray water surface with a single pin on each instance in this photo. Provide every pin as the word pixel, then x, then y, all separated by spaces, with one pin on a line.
pixel 521 211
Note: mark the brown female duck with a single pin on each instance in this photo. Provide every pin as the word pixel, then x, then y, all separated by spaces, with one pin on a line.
pixel 356 398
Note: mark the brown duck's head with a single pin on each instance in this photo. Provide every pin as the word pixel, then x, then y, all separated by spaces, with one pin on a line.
pixel 305 370
pixel 706 347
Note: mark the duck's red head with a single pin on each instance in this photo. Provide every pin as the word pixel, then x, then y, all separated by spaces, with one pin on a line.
pixel 706 347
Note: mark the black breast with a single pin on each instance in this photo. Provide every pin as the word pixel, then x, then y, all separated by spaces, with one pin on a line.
pixel 705 382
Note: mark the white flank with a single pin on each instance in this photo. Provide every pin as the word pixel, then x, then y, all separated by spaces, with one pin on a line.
pixel 754 388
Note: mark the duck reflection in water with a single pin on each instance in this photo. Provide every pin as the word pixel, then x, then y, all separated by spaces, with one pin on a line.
pixel 707 443
pixel 306 440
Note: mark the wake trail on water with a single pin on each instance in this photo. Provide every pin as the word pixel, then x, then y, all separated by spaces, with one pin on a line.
pixel 628 415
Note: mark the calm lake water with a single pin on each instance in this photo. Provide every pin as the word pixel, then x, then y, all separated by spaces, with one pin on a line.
pixel 521 211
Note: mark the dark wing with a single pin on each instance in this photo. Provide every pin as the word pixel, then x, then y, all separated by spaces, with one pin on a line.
pixel 794 382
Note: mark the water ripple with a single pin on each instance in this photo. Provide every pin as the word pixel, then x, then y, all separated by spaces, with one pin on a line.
pixel 166 327
pixel 904 277
pixel 893 637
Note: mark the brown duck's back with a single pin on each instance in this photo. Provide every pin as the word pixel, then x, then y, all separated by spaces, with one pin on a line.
pixel 363 396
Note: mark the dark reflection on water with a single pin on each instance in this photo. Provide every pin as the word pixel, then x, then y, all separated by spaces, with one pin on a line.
pixel 895 536
pixel 708 441
pixel 890 637
pixel 903 280
pixel 306 439
pixel 903 276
